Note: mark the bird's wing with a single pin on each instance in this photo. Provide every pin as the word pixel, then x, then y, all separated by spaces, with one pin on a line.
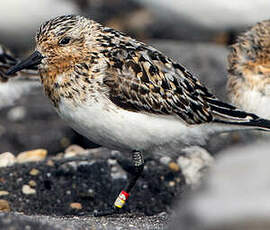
pixel 143 79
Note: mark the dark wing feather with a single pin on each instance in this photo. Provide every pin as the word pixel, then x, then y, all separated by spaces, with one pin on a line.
pixel 6 61
pixel 142 79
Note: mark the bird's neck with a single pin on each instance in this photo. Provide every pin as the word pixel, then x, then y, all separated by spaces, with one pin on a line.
pixel 49 81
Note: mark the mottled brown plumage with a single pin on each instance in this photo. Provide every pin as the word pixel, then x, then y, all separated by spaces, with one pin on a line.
pixel 249 70
pixel 134 76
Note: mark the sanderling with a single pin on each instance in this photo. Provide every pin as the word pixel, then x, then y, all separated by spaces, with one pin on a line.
pixel 249 70
pixel 126 95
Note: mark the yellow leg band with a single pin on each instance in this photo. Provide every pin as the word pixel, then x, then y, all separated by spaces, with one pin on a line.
pixel 121 199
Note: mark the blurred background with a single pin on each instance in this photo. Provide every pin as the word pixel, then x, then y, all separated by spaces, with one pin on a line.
pixel 195 33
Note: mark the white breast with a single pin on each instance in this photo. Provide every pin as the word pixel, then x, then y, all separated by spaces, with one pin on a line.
pixel 115 128
pixel 255 102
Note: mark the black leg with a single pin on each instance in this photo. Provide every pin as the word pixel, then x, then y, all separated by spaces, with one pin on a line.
pixel 138 165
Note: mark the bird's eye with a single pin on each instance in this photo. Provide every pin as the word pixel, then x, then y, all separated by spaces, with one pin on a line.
pixel 64 41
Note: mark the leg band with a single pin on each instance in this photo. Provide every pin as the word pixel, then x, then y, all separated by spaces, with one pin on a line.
pixel 121 199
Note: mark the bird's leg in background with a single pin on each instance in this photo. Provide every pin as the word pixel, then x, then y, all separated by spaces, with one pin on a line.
pixel 135 173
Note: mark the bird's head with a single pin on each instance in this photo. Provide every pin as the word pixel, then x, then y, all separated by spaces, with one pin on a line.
pixel 60 43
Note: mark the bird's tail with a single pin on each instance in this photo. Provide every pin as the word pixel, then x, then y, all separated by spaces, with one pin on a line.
pixel 259 124
pixel 229 114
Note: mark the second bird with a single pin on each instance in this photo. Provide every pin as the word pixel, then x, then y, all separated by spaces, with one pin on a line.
pixel 249 70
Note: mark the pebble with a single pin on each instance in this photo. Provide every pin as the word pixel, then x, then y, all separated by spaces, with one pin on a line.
pixel 17 113
pixel 32 183
pixel 3 193
pixel 112 162
pixel 26 189
pixel 174 166
pixel 32 156
pixel 167 161
pixel 69 155
pixel 194 163
pixel 50 163
pixel 75 205
pixel 172 183
pixel 91 193
pixel 114 169
pixel 4 206
pixel 34 172
pixel 7 159
pixel 73 150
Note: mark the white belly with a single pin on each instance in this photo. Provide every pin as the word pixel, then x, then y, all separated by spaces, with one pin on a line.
pixel 255 102
pixel 119 129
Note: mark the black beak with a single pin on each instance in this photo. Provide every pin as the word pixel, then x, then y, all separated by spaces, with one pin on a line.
pixel 33 60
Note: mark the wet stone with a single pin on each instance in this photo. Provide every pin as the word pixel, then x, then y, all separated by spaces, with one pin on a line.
pixel 75 149
pixel 174 166
pixel 3 193
pixel 7 159
pixel 27 190
pixel 32 156
pixel 16 114
pixel 194 162
pixel 76 205
pixel 4 206
pixel 32 183
pixel 34 172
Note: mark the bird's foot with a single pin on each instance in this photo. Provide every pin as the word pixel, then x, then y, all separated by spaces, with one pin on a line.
pixel 117 207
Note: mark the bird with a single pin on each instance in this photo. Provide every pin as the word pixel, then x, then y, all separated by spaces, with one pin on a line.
pixel 7 60
pixel 248 83
pixel 126 95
